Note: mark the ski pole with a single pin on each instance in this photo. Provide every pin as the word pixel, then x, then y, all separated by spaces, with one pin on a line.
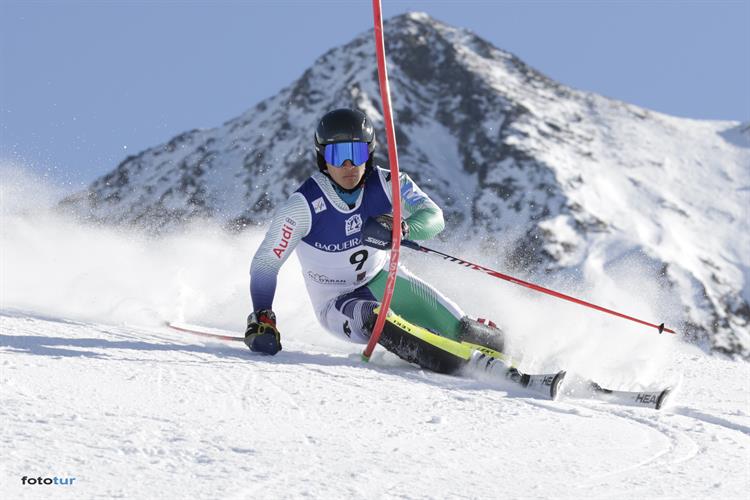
pixel 476 267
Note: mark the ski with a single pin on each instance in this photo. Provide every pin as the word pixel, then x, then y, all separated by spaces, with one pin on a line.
pixel 545 383
pixel 488 366
pixel 644 399
pixel 196 330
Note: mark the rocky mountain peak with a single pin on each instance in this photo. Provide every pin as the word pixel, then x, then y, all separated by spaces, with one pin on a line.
pixel 563 181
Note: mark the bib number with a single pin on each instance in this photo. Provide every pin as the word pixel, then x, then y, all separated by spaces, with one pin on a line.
pixel 358 259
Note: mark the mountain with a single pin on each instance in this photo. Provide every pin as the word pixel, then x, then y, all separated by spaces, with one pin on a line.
pixel 556 182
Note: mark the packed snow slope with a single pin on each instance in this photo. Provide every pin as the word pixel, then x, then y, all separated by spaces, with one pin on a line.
pixel 95 388
pixel 548 179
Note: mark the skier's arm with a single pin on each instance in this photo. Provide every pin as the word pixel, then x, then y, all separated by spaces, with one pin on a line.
pixel 290 224
pixel 424 217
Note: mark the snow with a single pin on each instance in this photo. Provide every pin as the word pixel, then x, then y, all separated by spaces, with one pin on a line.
pixel 93 386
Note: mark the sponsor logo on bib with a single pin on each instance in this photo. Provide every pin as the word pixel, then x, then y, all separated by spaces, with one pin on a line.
pixel 319 205
pixel 338 247
pixel 323 279
pixel 353 224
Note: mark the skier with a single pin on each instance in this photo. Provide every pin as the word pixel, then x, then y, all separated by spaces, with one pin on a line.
pixel 339 221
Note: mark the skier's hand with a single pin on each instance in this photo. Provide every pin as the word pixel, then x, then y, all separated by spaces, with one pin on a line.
pixel 261 334
pixel 378 231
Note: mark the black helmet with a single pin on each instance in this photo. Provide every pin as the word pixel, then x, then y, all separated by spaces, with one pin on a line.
pixel 344 125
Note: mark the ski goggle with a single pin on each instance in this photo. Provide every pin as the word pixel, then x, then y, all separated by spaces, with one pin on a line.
pixel 356 152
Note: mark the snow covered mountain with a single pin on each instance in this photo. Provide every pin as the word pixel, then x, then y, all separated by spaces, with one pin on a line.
pixel 569 185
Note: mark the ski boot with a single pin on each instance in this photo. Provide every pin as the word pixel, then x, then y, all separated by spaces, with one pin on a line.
pixel 481 332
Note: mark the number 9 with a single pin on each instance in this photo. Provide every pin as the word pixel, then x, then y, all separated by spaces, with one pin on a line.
pixel 358 258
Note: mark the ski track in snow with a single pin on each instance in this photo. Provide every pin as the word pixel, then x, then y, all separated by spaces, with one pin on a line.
pixel 137 412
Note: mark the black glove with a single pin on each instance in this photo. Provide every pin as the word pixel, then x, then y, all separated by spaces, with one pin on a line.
pixel 378 231
pixel 261 334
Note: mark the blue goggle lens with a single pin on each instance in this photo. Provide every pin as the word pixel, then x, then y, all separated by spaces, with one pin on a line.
pixel 337 154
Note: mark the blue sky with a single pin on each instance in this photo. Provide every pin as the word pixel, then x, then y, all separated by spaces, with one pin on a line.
pixel 84 84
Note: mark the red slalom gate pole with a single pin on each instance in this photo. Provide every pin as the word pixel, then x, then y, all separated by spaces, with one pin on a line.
pixel 385 97
pixel 477 267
